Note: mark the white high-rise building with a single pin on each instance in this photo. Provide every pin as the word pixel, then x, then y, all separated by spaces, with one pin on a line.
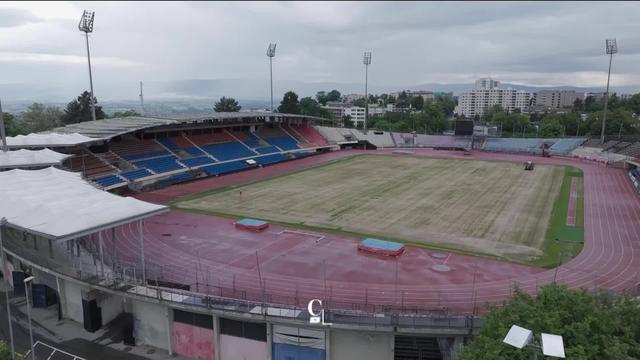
pixel 487 94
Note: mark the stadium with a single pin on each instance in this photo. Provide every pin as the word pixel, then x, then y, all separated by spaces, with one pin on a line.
pixel 213 237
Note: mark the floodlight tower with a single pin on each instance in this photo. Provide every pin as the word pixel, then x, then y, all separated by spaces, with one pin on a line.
pixel 3 135
pixel 86 26
pixel 612 48
pixel 141 99
pixel 271 53
pixel 366 60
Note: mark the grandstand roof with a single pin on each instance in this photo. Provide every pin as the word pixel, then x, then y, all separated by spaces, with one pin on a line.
pixel 107 128
pixel 47 140
pixel 60 205
pixel 30 158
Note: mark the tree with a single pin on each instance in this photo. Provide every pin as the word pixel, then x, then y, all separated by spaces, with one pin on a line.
pixel 226 104
pixel 321 96
pixel 126 113
pixel 309 106
pixel 578 105
pixel 40 118
pixel 79 110
pixel 599 326
pixel 361 102
pixel 289 103
pixel 417 102
pixel 5 351
pixel 551 126
pixel 334 95
pixel 12 126
pixel 347 122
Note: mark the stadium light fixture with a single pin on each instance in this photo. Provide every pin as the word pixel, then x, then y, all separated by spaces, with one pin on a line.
pixel 366 60
pixel 611 48
pixel 86 26
pixel 271 53
pixel 551 345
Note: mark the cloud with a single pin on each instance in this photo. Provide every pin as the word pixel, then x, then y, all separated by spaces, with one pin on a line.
pixel 412 42
pixel 15 17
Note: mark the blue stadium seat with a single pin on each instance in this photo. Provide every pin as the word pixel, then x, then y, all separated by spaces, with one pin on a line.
pixel 228 151
pixel 267 150
pixel 135 174
pixel 161 164
pixel 197 161
pixel 219 169
pixel 168 143
pixel 283 142
pixel 194 151
pixel 108 180
pixel 565 146
pixel 515 145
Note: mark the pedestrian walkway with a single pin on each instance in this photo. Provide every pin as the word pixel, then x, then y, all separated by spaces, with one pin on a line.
pixel 70 337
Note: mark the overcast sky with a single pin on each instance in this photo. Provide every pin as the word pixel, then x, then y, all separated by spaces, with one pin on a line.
pixel 545 43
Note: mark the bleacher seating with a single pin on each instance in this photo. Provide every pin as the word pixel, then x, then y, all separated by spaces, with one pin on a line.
pixel 135 174
pixel 514 145
pixel 224 168
pixel 197 161
pixel 292 132
pixel 109 180
pixel 210 138
pixel 565 146
pixel 620 146
pixel 160 164
pixel 301 154
pixel 310 133
pixel 632 150
pixel 134 149
pixel 267 150
pixel 89 164
pixel 228 150
pixel 422 140
pixel 251 140
pixel 270 159
pixel 283 142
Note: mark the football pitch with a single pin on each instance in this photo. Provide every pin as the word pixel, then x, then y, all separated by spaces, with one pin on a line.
pixel 489 207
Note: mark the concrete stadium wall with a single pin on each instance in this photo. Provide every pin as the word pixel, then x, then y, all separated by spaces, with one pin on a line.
pixel 72 293
pixel 234 348
pixel 357 345
pixel 111 306
pixel 193 341
pixel 150 326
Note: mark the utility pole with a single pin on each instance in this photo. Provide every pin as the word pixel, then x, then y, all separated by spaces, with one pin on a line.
pixel 366 60
pixel 3 135
pixel 271 53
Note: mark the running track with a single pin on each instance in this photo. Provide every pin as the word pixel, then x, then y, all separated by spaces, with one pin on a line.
pixel 207 250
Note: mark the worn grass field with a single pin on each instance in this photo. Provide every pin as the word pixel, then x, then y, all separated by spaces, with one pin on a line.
pixel 487 207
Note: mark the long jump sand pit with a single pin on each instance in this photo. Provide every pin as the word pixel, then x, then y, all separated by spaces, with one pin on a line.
pixel 490 207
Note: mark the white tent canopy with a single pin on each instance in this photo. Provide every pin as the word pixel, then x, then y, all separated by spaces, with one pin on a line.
pixel 47 140
pixel 60 205
pixel 30 158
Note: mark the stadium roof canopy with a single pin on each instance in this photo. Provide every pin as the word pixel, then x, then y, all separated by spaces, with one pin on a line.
pixel 30 158
pixel 47 140
pixel 106 129
pixel 60 205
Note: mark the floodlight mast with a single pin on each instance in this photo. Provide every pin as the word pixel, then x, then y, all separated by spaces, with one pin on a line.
pixel 271 53
pixel 142 99
pixel 366 60
pixel 612 48
pixel 3 135
pixel 86 26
